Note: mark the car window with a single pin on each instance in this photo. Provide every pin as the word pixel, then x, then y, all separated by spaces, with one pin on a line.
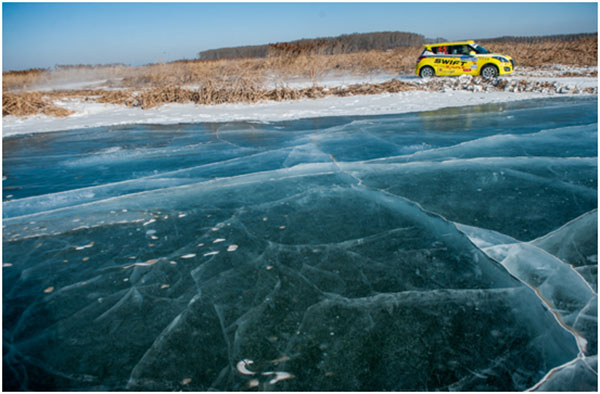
pixel 479 48
pixel 459 50
pixel 440 50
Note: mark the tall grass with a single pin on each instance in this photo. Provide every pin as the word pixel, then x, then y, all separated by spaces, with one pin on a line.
pixel 244 80
pixel 14 80
pixel 297 61
pixel 30 103
pixel 580 52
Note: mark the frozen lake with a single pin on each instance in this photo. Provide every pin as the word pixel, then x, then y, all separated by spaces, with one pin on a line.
pixel 447 250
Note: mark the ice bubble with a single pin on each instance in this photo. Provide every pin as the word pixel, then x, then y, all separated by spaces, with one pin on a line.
pixel 279 376
pixel 188 256
pixel 216 241
pixel 144 264
pixel 211 253
pixel 232 248
pixel 242 365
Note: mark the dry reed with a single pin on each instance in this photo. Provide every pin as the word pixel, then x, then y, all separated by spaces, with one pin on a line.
pixel 30 103
pixel 580 52
pixel 243 80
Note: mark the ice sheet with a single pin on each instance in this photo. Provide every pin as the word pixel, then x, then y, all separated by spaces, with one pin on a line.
pixel 410 252
pixel 91 115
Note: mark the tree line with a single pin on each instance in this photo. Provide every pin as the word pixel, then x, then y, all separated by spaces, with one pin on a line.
pixel 539 39
pixel 346 43
pixel 358 42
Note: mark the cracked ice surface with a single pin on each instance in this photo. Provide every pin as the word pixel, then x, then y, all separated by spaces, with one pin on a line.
pixel 446 250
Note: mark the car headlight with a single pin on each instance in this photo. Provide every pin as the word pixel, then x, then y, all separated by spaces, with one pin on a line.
pixel 501 59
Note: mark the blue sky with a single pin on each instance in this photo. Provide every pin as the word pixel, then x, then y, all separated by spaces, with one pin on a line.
pixel 46 34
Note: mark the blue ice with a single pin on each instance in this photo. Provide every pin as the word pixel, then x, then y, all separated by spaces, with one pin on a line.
pixel 447 250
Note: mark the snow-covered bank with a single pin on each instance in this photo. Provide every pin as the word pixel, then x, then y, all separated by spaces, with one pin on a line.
pixel 429 95
pixel 90 114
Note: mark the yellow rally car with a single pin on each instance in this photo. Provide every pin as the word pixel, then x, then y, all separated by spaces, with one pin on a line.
pixel 464 57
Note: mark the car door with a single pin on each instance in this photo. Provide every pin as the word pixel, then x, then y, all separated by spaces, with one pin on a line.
pixel 443 61
pixel 469 60
pixel 465 62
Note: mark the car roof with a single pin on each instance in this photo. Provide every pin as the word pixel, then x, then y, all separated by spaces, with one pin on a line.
pixel 437 44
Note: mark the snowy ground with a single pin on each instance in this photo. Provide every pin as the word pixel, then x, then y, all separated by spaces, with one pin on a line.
pixel 448 92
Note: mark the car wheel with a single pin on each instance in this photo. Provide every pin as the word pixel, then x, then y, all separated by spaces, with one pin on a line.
pixel 489 72
pixel 426 72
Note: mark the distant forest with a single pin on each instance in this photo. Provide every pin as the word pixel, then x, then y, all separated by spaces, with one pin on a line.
pixel 539 39
pixel 358 42
pixel 346 43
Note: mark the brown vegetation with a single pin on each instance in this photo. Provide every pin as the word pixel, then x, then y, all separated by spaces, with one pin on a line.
pixel 13 80
pixel 244 79
pixel 27 103
pixel 579 52
pixel 30 103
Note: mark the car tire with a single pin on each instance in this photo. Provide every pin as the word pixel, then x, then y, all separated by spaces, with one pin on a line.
pixel 490 72
pixel 427 72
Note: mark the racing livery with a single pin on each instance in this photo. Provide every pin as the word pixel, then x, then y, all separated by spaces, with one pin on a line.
pixel 463 57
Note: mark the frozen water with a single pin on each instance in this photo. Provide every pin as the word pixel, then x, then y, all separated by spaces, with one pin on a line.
pixel 581 375
pixel 576 243
pixel 445 250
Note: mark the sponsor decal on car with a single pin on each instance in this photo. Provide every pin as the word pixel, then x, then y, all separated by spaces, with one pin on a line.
pixel 461 57
pixel 450 62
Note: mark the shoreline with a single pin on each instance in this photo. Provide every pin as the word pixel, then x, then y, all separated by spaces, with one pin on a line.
pixel 415 95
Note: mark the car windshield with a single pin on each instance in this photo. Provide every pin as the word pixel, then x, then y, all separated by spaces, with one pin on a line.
pixel 479 48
